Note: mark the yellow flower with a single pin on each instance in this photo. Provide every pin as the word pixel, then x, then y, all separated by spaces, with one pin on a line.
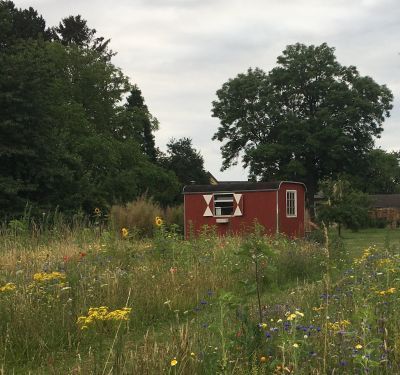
pixel 338 326
pixel 9 287
pixel 44 276
pixel 263 359
pixel 102 313
pixel 174 362
pixel 263 325
pixel 193 354
pixel 358 346
pixel 291 316
pixel 124 232
pixel 295 345
pixel 158 221
pixel 385 292
pixel 97 211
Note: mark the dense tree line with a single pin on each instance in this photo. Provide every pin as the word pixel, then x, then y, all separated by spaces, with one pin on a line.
pixel 68 138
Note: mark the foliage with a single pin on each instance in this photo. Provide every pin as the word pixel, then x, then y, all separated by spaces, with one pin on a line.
pixel 64 139
pixel 73 30
pixel 309 118
pixel 344 205
pixel 185 161
pixel 382 174
pixel 136 122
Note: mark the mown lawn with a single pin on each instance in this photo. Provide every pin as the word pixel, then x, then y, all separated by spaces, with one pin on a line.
pixel 356 242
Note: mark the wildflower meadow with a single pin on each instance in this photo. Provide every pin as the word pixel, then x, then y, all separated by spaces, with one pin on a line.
pixel 100 299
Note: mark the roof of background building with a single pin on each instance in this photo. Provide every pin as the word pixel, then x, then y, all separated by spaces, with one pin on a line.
pixel 385 201
pixel 237 186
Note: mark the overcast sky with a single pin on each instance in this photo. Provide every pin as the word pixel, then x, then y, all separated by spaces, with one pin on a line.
pixel 179 52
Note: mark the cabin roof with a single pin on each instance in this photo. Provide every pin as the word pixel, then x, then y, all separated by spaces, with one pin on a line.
pixel 236 186
pixel 385 201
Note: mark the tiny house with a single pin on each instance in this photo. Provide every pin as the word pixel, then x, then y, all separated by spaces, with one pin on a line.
pixel 232 207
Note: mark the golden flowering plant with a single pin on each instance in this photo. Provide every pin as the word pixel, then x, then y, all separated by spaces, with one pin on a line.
pixel 43 276
pixel 101 314
pixel 9 287
pixel 296 314
pixel 386 292
pixel 338 326
pixel 158 221
pixel 124 232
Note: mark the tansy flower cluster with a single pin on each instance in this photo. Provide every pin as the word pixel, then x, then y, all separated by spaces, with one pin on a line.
pixel 386 292
pixel 338 326
pixel 102 313
pixel 43 276
pixel 9 287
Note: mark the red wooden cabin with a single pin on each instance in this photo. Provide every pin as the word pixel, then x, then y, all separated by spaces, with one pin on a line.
pixel 232 207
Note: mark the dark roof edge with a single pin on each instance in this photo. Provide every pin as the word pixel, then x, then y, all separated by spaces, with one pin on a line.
pixel 227 187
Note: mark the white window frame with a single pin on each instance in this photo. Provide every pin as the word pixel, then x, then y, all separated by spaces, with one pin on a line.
pixel 291 196
pixel 215 201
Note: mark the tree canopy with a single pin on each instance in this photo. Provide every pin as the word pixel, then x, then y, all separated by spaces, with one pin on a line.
pixel 67 137
pixel 185 161
pixel 307 119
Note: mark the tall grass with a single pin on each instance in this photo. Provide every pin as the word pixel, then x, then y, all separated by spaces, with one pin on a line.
pixel 196 303
pixel 139 216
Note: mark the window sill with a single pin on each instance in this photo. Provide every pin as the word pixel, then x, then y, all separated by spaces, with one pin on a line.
pixel 222 220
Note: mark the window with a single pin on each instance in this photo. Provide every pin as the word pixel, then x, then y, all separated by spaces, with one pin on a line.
pixel 223 204
pixel 291 203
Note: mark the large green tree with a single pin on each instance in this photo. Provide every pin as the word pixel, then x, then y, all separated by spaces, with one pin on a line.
pixel 307 119
pixel 59 145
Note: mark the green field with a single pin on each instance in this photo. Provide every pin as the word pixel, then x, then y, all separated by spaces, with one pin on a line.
pixel 357 241
pixel 91 301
